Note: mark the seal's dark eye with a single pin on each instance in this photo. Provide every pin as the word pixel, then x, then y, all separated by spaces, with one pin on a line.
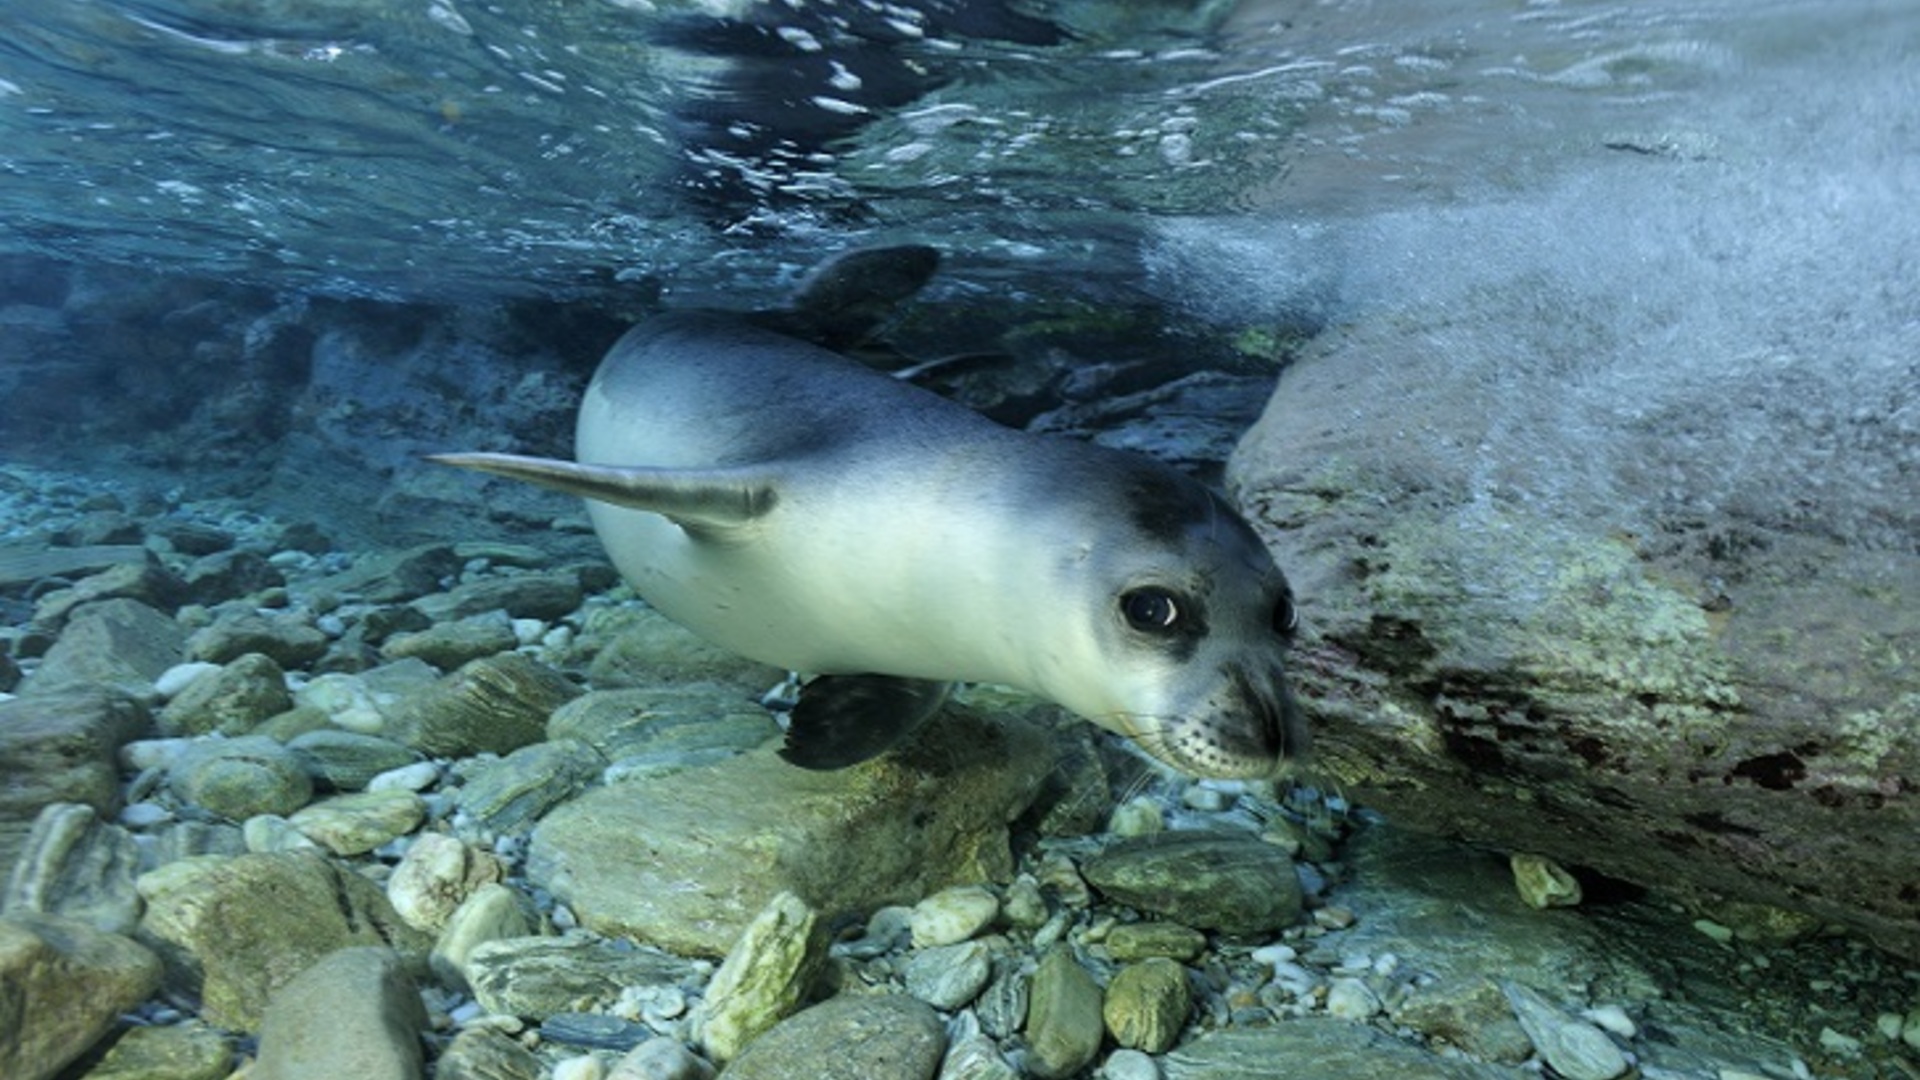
pixel 1149 610
pixel 1286 618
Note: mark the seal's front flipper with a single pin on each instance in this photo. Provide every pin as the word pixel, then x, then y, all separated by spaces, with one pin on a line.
pixel 843 720
pixel 692 498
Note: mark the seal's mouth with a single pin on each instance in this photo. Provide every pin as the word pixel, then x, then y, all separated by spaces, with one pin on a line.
pixel 1250 730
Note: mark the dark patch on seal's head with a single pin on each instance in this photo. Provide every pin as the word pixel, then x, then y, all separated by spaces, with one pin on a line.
pixel 1192 626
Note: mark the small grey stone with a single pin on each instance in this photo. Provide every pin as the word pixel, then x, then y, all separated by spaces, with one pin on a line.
pixel 597 1031
pixel 229 701
pixel 238 778
pixel 144 581
pixel 354 1013
pixel 1002 1006
pixel 949 976
pixel 389 577
pixel 1128 1065
pixel 975 1057
pixel 1064 1025
pixel 849 1038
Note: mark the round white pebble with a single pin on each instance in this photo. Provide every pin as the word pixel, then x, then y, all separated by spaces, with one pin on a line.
pixel 1129 1065
pixel 175 679
pixel 1351 999
pixel 418 776
pixel 953 915
pixel 584 1067
pixel 143 815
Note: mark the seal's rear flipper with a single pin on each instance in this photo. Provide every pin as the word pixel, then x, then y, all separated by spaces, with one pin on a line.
pixel 693 498
pixel 843 720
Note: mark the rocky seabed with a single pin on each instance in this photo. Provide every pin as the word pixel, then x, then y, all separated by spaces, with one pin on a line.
pixel 470 810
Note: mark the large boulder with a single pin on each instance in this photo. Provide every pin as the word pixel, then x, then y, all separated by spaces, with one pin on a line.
pixel 686 860
pixel 1569 593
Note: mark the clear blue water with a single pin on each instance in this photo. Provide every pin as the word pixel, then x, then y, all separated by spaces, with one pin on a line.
pixel 1676 241
pixel 455 149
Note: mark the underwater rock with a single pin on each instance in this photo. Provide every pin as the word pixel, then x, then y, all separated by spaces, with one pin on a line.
pixel 888 1035
pixel 122 644
pixel 1542 882
pixel 1468 1012
pixel 1147 1004
pixel 491 912
pixel 953 915
pixel 535 977
pixel 947 977
pixel 1314 1046
pixel 484 1053
pixel 512 793
pixel 1232 882
pixel 229 701
pixel 1145 940
pixel 290 640
pixel 929 814
pixel 143 580
pixel 229 951
pixel 496 704
pixel 61 747
pixel 355 1012
pixel 195 538
pixel 238 778
pixel 447 645
pixel 347 760
pixel 1574 1048
pixel 1659 645
pixel 394 577
pixel 1064 1025
pixel 662 720
pixel 660 1059
pixel 977 1057
pixel 634 645
pixel 545 595
pixel 228 575
pixel 78 867
pixel 189 1050
pixel 436 876
pixel 65 983
pixel 358 822
pixel 767 974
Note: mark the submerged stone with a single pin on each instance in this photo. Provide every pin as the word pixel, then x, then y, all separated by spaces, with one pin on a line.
pixel 882 1035
pixel 1227 881
pixel 64 985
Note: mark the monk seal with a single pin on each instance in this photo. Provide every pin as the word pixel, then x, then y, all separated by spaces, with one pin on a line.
pixel 805 511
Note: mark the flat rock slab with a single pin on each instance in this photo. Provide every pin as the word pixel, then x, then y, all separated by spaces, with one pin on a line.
pixel 685 861
pixel 1327 1048
pixel 849 1038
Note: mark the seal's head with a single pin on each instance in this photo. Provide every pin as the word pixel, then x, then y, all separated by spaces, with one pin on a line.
pixel 1187 629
